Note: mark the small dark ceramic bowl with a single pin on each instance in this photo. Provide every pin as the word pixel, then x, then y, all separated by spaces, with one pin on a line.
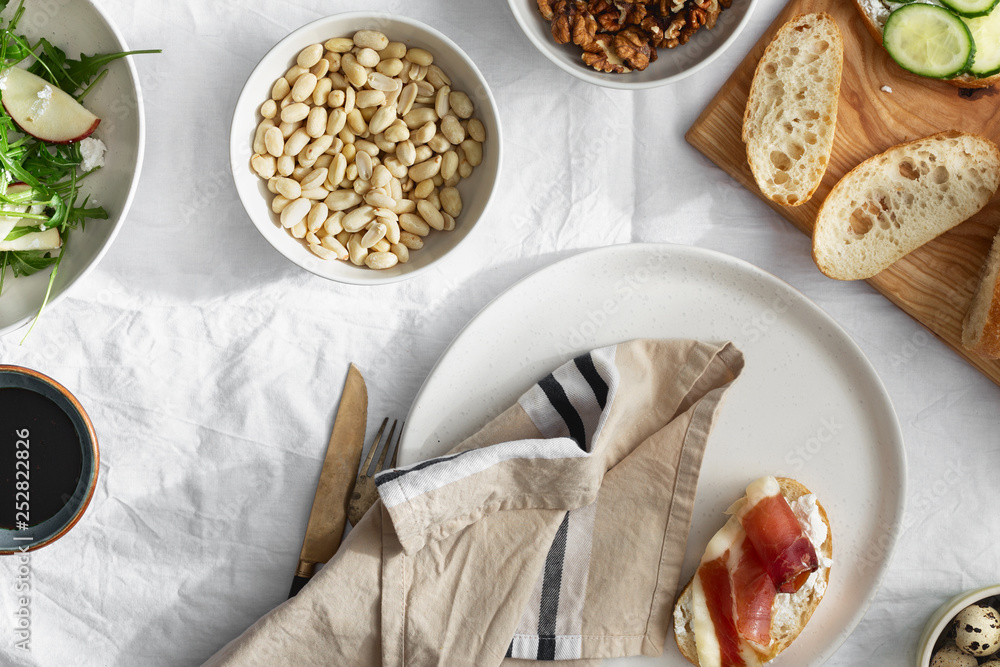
pixel 51 529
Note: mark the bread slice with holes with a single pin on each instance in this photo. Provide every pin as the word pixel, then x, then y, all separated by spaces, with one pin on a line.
pixel 791 114
pixel 795 608
pixel 895 202
pixel 981 329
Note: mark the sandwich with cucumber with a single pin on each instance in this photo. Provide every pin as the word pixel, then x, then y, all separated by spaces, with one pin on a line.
pixel 954 40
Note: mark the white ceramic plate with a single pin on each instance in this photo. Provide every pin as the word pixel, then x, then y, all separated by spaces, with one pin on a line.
pixel 75 26
pixel 808 405
pixel 476 190
pixel 672 65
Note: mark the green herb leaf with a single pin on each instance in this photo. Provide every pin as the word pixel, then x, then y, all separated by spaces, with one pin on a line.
pixel 27 262
pixel 74 75
pixel 18 232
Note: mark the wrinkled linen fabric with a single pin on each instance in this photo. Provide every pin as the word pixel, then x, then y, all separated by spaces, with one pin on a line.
pixel 211 366
pixel 555 533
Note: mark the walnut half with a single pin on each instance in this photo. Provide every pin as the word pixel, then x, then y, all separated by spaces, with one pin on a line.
pixel 599 55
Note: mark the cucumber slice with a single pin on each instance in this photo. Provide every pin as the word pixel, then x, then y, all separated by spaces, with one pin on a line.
pixel 986 34
pixel 970 8
pixel 928 40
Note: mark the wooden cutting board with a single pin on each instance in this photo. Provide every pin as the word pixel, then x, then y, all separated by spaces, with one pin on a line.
pixel 935 283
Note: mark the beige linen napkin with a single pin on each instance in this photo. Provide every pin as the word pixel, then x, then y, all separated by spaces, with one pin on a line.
pixel 555 533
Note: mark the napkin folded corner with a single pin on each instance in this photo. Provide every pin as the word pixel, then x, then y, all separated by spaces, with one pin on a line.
pixel 557 532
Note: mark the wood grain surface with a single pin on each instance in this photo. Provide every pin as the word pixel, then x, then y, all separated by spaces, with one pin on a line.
pixel 935 283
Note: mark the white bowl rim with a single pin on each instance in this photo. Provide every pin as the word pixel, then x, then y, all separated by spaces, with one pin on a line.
pixel 620 81
pixel 943 616
pixel 363 277
pixel 133 186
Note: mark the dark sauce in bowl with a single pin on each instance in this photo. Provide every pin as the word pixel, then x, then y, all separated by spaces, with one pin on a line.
pixel 41 458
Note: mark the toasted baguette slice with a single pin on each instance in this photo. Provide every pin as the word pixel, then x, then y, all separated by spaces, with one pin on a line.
pixel 875 13
pixel 981 329
pixel 791 114
pixel 785 628
pixel 893 203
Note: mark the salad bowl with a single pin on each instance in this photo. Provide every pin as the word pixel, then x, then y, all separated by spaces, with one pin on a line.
pixel 76 27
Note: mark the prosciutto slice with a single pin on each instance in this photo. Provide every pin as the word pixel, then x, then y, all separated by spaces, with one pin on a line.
pixel 754 594
pixel 717 585
pixel 733 601
pixel 776 535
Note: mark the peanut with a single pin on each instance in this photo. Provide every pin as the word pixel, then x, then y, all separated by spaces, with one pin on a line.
pixel 370 39
pixel 381 260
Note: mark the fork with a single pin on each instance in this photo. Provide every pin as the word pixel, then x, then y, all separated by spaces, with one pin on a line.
pixel 365 493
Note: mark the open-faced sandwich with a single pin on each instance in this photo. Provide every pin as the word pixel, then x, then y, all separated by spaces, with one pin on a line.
pixel 954 40
pixel 761 578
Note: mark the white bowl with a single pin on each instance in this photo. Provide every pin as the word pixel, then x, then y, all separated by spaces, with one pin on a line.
pixel 80 26
pixel 943 616
pixel 672 65
pixel 476 190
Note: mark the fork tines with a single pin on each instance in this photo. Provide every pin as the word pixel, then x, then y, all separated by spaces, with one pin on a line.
pixel 365 493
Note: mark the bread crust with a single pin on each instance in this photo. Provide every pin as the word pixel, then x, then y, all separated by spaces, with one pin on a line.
pixel 963 81
pixel 791 490
pixel 981 327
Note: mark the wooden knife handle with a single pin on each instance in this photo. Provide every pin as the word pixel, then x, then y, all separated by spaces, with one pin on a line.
pixel 302 576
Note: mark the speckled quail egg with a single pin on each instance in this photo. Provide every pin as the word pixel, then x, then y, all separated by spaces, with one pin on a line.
pixel 950 655
pixel 977 630
pixel 992 663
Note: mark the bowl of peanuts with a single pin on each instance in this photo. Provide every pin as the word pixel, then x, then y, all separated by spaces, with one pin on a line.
pixel 365 147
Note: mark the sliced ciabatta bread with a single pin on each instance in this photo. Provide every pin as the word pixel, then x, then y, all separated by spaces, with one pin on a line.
pixel 876 12
pixel 791 114
pixel 791 611
pixel 981 329
pixel 893 203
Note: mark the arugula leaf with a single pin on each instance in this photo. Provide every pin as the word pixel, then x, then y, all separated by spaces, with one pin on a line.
pixel 80 214
pixel 81 71
pixel 28 262
pixel 18 232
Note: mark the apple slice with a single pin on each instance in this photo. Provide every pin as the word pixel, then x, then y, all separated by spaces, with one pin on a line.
pixel 43 110
pixel 47 240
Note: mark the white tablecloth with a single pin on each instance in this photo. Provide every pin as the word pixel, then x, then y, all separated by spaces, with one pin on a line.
pixel 211 365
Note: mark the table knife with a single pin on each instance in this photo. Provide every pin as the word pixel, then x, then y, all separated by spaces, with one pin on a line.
pixel 336 481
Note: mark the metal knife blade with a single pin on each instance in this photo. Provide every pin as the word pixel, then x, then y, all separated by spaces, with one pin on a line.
pixel 336 481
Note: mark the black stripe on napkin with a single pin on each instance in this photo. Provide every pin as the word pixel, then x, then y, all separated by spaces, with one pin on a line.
pixel 389 475
pixel 585 364
pixel 551 583
pixel 557 397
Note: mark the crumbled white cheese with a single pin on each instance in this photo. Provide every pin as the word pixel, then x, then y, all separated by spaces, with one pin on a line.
pixel 879 10
pixel 92 151
pixel 807 512
pixel 886 89
pixel 41 105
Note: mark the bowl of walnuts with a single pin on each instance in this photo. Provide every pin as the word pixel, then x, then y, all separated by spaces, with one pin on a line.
pixel 631 45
